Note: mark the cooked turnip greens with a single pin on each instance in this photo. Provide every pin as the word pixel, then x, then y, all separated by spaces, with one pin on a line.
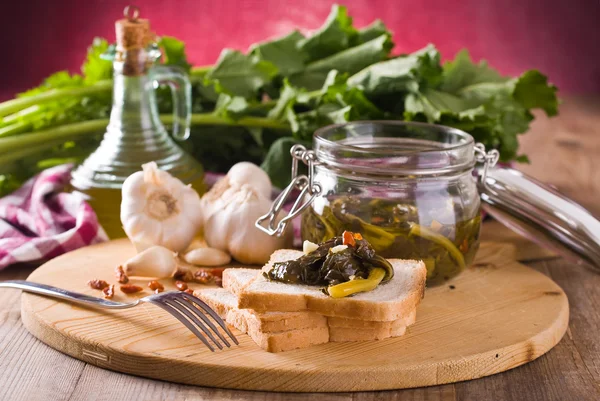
pixel 253 106
pixel 446 241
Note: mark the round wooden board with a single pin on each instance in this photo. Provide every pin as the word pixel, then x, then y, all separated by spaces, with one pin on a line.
pixel 493 317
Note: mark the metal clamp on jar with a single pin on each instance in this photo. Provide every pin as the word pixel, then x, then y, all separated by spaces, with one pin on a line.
pixel 411 191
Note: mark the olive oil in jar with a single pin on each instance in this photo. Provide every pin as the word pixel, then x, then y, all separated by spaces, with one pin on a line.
pixel 135 134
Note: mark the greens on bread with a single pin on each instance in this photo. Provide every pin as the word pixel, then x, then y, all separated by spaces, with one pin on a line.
pixel 344 265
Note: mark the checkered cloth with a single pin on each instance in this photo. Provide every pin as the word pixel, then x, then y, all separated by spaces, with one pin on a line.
pixel 39 221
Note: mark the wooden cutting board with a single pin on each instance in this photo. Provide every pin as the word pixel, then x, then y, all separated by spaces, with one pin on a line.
pixel 493 317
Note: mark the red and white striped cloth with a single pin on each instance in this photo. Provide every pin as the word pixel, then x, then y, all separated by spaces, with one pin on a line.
pixel 39 221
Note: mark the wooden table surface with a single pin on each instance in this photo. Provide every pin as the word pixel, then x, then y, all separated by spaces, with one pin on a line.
pixel 565 151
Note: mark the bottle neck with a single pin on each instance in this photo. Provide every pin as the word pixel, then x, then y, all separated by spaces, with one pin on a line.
pixel 134 103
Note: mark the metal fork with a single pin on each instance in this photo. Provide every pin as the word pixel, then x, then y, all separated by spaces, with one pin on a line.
pixel 179 304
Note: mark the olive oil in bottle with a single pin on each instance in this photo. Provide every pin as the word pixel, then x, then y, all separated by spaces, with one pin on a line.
pixel 135 134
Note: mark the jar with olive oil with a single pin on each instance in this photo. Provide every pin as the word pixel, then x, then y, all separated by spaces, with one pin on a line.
pixel 135 134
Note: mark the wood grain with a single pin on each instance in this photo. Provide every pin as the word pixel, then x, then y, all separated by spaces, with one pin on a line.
pixel 491 318
pixel 574 362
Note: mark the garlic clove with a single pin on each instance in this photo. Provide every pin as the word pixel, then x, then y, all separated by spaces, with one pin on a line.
pixel 207 257
pixel 156 261
pixel 308 247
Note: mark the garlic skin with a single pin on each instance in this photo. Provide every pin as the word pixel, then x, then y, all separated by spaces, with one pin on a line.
pixel 156 261
pixel 231 228
pixel 207 257
pixel 158 209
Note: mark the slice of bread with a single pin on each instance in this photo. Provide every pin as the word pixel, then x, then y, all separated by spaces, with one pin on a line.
pixel 344 322
pixel 291 339
pixel 343 334
pixel 237 279
pixel 225 304
pixel 273 331
pixel 390 301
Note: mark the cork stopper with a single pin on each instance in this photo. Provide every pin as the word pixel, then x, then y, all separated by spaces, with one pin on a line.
pixel 132 32
pixel 133 36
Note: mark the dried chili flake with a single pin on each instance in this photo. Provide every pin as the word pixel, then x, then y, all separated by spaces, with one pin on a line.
pixel 131 289
pixel 97 284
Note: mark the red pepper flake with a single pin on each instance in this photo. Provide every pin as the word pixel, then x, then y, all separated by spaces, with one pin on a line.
pixel 358 237
pixel 156 286
pixel 98 284
pixel 183 275
pixel 203 276
pixel 131 289
pixel 121 276
pixel 464 247
pixel 181 285
pixel 348 238
pixel 109 291
pixel 189 291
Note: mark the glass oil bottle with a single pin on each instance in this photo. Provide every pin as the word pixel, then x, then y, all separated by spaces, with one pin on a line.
pixel 135 134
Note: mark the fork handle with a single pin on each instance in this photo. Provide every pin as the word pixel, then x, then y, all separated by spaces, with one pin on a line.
pixel 59 293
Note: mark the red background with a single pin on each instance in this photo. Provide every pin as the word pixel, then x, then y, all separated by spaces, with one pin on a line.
pixel 561 38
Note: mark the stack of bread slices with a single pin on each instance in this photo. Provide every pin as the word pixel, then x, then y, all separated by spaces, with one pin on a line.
pixel 281 317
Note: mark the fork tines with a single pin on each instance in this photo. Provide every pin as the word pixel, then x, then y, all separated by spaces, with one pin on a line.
pixel 192 311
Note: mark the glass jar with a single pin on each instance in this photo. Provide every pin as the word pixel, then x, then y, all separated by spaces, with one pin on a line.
pixel 408 188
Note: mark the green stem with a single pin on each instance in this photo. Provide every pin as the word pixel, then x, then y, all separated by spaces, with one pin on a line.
pixel 15 105
pixel 51 136
pixel 14 129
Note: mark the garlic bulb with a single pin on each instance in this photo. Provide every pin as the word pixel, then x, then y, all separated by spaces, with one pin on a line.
pixel 158 209
pixel 240 174
pixel 246 173
pixel 231 227
pixel 156 261
pixel 207 257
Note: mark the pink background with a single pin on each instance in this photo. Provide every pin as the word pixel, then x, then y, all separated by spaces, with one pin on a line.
pixel 561 38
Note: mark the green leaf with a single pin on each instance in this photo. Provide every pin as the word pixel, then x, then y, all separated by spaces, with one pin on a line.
pixel 533 91
pixel 287 100
pixel 174 52
pixel 350 60
pixel 278 161
pixel 372 31
pixel 462 74
pixel 336 91
pixel 402 74
pixel 231 107
pixel 336 34
pixel 94 67
pixel 238 74
pixel 282 52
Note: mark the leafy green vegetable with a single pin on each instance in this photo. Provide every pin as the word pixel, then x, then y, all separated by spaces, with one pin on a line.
pixel 350 60
pixel 477 99
pixel 254 106
pixel 335 35
pixel 283 53
pixel 174 52
pixel 238 74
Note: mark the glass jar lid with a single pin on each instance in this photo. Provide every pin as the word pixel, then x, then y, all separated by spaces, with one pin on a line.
pixel 541 214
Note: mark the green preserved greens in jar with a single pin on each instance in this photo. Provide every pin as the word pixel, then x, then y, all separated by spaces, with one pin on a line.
pixel 398 230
